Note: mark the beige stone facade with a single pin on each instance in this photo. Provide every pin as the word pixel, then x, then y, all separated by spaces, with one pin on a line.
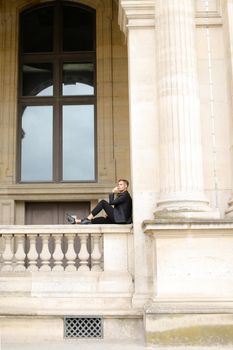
pixel 164 121
pixel 112 111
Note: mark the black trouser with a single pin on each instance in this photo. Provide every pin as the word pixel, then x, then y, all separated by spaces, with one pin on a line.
pixel 103 205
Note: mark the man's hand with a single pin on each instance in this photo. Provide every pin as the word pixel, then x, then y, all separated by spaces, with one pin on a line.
pixel 115 189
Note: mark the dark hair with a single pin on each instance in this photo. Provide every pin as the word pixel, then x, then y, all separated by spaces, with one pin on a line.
pixel 125 181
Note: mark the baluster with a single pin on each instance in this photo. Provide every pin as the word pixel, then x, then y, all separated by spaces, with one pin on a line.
pixel 58 254
pixel 7 254
pixel 70 254
pixel 96 254
pixel 83 254
pixel 20 254
pixel 32 254
pixel 45 254
pixel 2 243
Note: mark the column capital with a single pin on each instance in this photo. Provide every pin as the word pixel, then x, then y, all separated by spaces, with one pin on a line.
pixel 136 13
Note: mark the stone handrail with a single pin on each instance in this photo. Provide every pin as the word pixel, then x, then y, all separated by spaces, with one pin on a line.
pixel 64 248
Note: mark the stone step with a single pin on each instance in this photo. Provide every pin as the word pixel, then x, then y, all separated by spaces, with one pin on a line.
pixel 97 345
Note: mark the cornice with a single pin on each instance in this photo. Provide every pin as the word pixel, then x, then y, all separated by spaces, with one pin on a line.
pixel 141 13
pixel 136 13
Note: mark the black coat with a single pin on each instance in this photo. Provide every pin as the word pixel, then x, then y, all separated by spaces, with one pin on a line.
pixel 122 207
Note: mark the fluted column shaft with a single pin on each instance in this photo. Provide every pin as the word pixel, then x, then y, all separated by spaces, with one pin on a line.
pixel 229 27
pixel 179 111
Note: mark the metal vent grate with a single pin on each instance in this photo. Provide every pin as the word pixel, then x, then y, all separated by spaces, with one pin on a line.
pixel 83 327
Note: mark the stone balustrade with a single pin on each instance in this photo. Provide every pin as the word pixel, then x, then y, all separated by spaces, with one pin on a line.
pixel 66 269
pixel 62 248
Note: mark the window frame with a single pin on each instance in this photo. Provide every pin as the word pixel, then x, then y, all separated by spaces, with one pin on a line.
pixel 57 58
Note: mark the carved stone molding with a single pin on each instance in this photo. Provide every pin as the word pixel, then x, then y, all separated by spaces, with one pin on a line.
pixel 208 13
pixel 136 13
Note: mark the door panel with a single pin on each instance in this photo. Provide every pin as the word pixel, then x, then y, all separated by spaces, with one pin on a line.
pixel 53 213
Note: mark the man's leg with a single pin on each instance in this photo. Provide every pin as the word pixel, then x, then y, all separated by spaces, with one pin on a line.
pixel 101 220
pixel 103 205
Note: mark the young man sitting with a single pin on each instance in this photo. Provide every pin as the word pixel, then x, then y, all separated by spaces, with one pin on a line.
pixel 118 210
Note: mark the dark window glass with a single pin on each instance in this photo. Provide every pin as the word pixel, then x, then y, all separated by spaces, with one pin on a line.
pixel 78 143
pixel 37 143
pixel 78 79
pixel 37 79
pixel 78 29
pixel 37 30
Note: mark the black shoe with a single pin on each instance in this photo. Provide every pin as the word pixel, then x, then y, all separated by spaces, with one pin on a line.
pixel 70 219
pixel 85 221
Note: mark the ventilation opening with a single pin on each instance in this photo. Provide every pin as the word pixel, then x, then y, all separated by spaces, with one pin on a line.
pixel 83 327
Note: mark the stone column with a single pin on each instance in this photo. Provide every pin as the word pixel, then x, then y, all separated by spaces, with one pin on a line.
pixel 8 90
pixel 228 13
pixel 181 174
pixel 137 21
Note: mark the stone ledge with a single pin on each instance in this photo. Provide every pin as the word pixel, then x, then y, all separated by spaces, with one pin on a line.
pixel 96 304
pixel 183 226
pixel 68 191
pixel 48 229
pixel 192 307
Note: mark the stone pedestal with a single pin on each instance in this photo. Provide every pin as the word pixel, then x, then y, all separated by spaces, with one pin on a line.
pixel 193 283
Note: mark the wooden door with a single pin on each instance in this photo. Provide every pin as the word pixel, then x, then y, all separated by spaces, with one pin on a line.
pixel 53 213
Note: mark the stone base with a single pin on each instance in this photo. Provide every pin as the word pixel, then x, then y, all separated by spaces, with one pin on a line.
pixel 53 293
pixel 26 329
pixel 186 213
pixel 189 206
pixel 188 329
pixel 191 258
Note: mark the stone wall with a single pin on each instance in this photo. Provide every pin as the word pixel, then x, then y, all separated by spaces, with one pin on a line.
pixel 112 114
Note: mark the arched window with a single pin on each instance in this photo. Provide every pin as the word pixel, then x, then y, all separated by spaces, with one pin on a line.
pixel 57 94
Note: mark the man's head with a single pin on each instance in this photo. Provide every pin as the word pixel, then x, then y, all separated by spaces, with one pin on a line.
pixel 122 185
